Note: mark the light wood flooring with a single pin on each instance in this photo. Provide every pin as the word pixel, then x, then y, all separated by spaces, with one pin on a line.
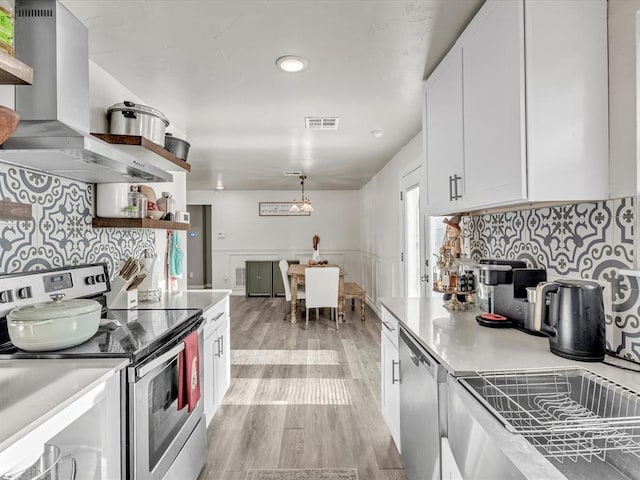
pixel 301 399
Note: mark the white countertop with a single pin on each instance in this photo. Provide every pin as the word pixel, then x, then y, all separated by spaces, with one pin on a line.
pixel 34 391
pixel 201 299
pixel 463 346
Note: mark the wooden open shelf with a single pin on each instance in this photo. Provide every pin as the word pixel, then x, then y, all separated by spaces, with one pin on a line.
pixel 104 222
pixel 15 211
pixel 138 142
pixel 13 71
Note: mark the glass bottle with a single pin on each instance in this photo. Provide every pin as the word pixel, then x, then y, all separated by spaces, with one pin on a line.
pixel 137 203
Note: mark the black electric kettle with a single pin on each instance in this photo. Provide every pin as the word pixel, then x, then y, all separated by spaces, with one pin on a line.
pixel 571 313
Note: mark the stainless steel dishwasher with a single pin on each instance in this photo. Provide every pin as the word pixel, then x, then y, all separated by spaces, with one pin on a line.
pixel 419 418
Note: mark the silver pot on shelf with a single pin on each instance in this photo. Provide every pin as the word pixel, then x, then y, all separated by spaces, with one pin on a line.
pixel 177 146
pixel 128 118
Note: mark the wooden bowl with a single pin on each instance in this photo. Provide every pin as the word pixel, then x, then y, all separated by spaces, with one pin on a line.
pixel 8 122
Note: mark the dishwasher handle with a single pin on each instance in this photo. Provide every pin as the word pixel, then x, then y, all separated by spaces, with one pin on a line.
pixel 417 354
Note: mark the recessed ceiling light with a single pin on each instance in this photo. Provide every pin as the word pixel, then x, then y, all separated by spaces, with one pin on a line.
pixel 291 63
pixel 377 133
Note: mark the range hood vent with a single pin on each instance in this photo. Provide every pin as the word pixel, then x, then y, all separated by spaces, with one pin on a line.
pixel 53 133
pixel 33 12
pixel 321 123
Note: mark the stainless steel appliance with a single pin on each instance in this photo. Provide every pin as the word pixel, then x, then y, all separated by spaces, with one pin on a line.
pixel 160 441
pixel 420 422
pixel 53 133
pixel 127 118
pixel 573 319
pixel 508 281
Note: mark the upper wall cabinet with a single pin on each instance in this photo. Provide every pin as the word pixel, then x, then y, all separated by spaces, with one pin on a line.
pixel 517 110
pixel 442 126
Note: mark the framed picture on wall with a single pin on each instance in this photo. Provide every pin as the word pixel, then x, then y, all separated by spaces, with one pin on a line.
pixel 279 209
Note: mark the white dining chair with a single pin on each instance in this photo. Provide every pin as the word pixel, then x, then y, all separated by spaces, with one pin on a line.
pixel 322 286
pixel 284 267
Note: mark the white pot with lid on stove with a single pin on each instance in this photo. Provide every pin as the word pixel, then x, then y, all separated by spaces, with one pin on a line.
pixel 53 325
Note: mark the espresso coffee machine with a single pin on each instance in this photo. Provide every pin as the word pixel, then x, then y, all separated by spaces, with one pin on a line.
pixel 508 281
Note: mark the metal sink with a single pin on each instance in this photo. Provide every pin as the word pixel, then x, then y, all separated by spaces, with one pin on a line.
pixel 587 425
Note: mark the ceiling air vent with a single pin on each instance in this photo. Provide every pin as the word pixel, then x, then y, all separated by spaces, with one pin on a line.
pixel 292 173
pixel 321 123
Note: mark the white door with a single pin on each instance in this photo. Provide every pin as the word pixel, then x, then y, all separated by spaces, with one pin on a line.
pixel 413 251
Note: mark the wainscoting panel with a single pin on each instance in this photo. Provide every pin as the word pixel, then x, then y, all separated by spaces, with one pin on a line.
pixel 368 277
pixel 385 279
pixel 229 264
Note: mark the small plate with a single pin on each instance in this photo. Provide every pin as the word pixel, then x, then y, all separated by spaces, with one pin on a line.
pixel 494 323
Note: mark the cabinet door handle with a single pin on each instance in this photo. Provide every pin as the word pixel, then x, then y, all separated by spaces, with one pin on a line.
pixel 217 340
pixel 388 325
pixel 393 371
pixel 450 188
pixel 455 181
pixel 221 345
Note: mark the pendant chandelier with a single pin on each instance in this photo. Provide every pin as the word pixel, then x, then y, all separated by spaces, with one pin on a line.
pixel 305 204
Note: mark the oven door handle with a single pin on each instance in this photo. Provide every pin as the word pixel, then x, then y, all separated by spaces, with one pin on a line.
pixel 143 370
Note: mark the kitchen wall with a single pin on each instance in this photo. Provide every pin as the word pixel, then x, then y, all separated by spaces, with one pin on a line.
pixel 60 233
pixel 380 225
pixel 240 234
pixel 586 240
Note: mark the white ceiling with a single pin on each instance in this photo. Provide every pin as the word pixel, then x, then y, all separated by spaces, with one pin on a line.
pixel 209 66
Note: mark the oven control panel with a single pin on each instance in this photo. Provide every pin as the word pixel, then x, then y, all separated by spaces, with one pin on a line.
pixel 58 281
pixel 26 288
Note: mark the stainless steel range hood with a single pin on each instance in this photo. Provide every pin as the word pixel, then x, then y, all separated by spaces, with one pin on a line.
pixel 54 111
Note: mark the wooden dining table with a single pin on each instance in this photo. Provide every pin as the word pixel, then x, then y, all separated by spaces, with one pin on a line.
pixel 296 272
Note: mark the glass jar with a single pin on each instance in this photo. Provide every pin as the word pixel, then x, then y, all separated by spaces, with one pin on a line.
pixel 437 277
pixel 7 16
pixel 450 278
pixel 137 204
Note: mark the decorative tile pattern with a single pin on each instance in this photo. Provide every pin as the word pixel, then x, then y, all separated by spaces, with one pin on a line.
pixel 586 240
pixel 61 233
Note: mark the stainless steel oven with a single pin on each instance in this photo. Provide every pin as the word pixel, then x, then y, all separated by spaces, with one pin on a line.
pixel 167 442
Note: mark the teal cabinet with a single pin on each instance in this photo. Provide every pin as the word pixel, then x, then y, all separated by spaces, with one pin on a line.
pixel 264 279
pixel 259 278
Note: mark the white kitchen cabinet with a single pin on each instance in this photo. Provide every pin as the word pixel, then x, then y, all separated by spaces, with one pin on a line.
pixel 79 412
pixel 216 357
pixel 390 370
pixel 534 107
pixel 493 92
pixel 443 134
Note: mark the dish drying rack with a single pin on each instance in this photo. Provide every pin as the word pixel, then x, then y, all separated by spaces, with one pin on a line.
pixel 568 413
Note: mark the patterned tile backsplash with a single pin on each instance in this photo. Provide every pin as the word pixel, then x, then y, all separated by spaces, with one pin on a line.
pixel 60 233
pixel 586 240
